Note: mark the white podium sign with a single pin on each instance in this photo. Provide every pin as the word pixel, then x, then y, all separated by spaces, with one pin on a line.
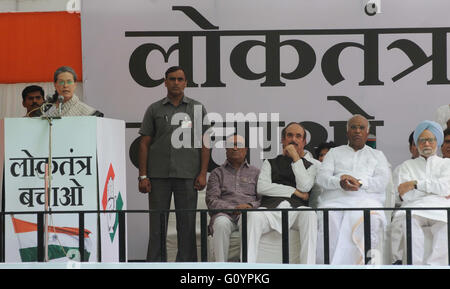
pixel 74 184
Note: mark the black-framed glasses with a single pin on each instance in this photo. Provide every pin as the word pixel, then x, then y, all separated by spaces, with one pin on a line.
pixel 424 140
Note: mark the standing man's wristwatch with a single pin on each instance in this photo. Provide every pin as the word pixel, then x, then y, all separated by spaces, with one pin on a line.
pixel 140 178
pixel 415 185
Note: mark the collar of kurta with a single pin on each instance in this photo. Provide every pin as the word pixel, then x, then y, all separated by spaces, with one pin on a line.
pixel 74 99
pixel 429 158
pixel 228 164
pixel 183 99
pixel 364 148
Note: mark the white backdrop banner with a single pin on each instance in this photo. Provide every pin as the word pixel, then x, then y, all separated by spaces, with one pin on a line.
pixel 272 62
pixel 317 62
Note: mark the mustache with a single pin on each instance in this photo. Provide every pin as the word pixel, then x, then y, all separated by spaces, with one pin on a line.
pixel 293 143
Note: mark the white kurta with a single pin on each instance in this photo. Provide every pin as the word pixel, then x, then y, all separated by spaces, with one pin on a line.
pixel 304 178
pixel 260 223
pixel 346 227
pixel 433 185
pixel 367 164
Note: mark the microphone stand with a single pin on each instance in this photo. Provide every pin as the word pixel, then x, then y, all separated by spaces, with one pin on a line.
pixel 48 179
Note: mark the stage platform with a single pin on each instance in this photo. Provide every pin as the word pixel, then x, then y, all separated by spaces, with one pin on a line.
pixel 201 266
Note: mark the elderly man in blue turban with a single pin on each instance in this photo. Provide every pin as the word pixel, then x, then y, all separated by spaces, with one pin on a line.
pixel 425 182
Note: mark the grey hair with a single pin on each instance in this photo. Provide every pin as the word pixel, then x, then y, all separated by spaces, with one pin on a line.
pixel 358 115
pixel 63 69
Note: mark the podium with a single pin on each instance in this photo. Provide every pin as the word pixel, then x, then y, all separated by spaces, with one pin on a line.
pixel 88 174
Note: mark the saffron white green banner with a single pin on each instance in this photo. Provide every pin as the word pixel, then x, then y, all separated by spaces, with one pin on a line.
pixel 112 183
pixel 75 185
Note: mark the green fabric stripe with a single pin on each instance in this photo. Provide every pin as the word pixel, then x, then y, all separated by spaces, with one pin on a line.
pixel 54 252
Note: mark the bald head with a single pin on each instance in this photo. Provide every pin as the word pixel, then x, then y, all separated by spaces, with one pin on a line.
pixel 357 131
pixel 357 117
pixel 236 150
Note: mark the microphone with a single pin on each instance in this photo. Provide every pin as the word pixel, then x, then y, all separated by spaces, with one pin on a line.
pixel 60 100
pixel 48 103
pixel 49 98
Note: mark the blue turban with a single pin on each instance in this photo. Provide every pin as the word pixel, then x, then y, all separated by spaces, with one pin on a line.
pixel 432 126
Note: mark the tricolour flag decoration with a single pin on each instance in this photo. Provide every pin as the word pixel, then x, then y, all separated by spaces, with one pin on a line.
pixel 111 201
pixel 61 241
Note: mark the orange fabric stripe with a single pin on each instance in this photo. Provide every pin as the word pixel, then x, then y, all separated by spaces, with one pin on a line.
pixel 35 44
pixel 21 226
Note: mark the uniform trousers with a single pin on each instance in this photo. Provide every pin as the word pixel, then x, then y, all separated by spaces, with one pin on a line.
pixel 185 197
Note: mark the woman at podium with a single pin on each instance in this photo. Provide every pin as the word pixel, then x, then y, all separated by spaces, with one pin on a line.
pixel 66 102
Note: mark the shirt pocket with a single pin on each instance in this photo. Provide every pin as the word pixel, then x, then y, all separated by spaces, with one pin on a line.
pixel 247 186
pixel 161 121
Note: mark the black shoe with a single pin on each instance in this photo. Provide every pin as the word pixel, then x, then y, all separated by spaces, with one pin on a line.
pixel 398 262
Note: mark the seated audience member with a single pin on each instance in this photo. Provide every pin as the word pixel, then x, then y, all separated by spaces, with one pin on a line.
pixel 443 116
pixel 425 182
pixel 230 186
pixel 322 150
pixel 286 182
pixel 353 175
pixel 445 148
pixel 412 146
pixel 65 81
pixel 32 99
pixel 396 228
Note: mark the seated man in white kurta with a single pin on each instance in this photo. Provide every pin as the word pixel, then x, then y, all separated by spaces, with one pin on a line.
pixel 353 176
pixel 425 182
pixel 285 182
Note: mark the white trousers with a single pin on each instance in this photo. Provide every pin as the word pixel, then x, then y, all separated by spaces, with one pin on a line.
pixel 304 222
pixel 439 252
pixel 223 227
pixel 346 236
pixel 397 239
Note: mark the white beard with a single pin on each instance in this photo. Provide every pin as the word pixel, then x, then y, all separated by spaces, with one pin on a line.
pixel 427 152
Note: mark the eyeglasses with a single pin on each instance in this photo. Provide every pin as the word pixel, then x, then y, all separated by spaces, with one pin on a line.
pixel 62 82
pixel 230 145
pixel 424 140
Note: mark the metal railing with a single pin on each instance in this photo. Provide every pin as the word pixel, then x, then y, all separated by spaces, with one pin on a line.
pixel 204 230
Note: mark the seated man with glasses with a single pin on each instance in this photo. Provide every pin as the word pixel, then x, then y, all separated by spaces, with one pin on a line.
pixel 65 83
pixel 425 182
pixel 353 176
pixel 285 182
pixel 230 186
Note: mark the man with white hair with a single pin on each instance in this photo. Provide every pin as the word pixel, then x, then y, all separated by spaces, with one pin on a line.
pixel 396 227
pixel 352 176
pixel 425 182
